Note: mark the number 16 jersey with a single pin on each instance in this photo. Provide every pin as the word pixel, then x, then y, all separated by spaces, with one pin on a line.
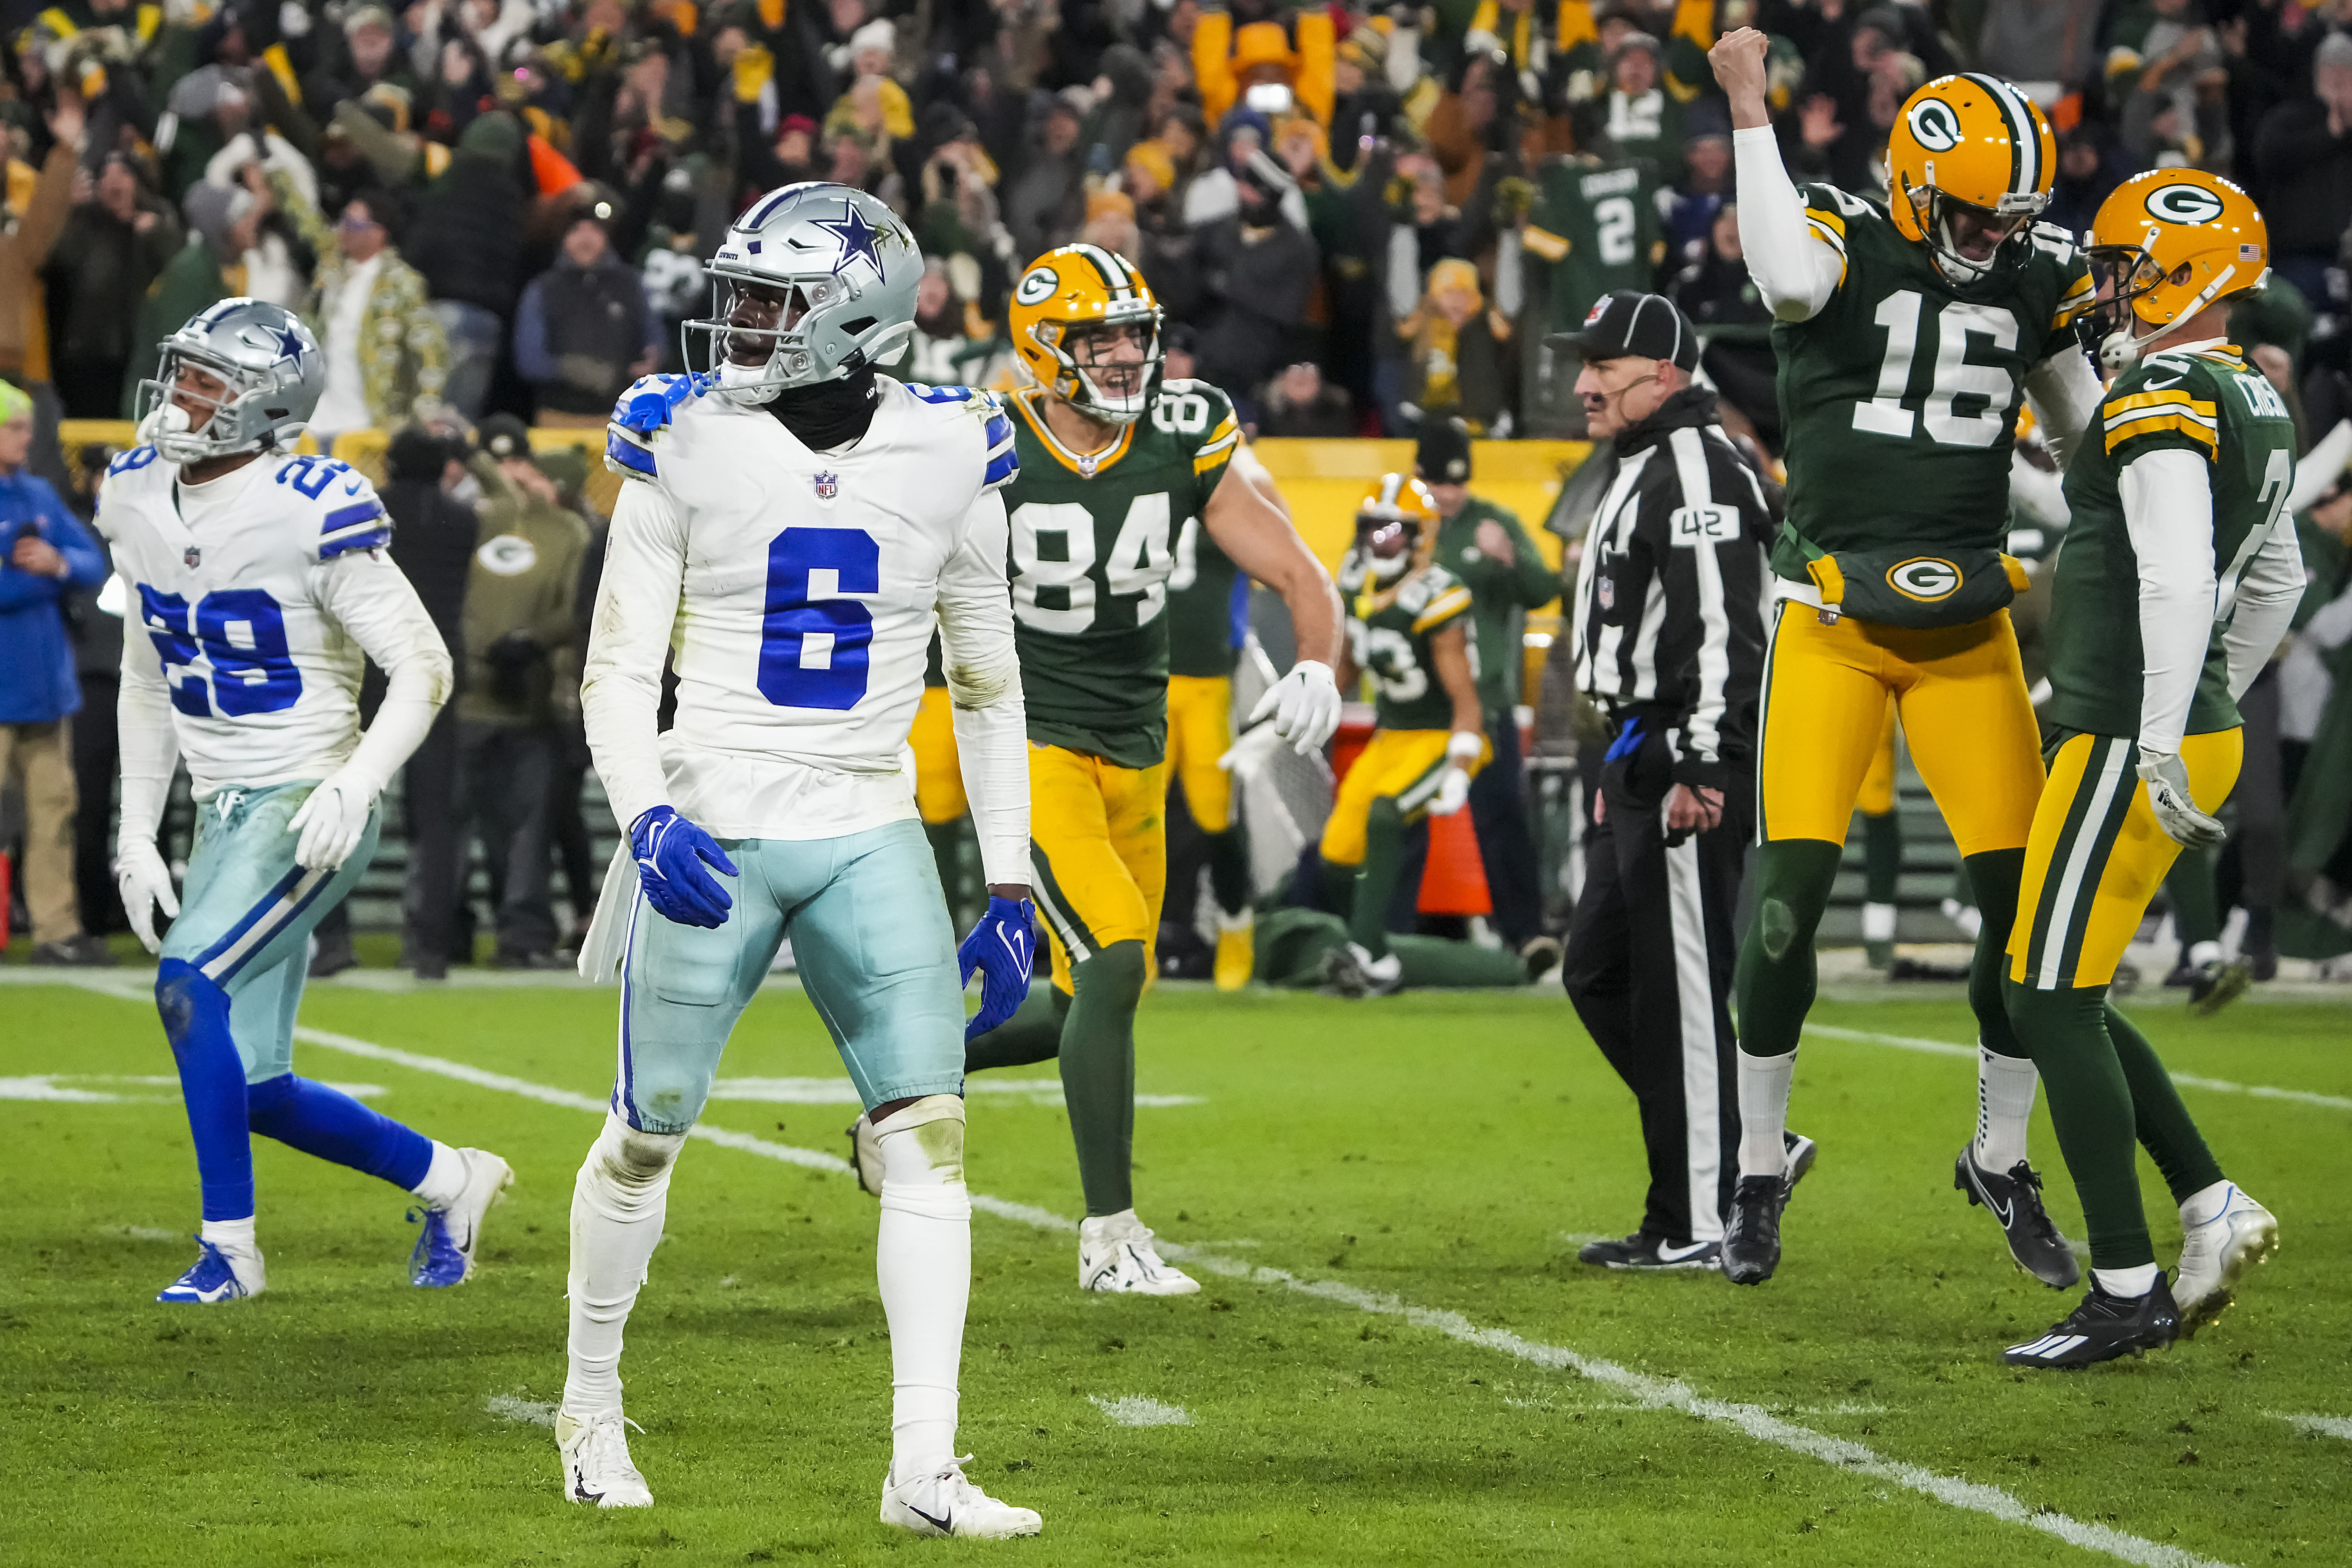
pixel 1090 559
pixel 257 594
pixel 1900 398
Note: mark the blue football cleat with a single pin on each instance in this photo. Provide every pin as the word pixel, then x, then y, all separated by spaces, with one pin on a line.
pixel 215 1277
pixel 445 1248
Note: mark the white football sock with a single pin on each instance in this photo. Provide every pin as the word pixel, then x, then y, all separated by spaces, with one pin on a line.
pixel 2201 1206
pixel 233 1235
pixel 2204 953
pixel 2137 1281
pixel 2005 1087
pixel 922 1261
pixel 1764 1114
pixel 617 1204
pixel 445 1179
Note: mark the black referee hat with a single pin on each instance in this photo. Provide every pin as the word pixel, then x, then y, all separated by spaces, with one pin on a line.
pixel 1442 453
pixel 1631 323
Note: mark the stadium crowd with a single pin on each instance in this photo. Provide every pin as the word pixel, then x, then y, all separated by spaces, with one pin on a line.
pixel 494 212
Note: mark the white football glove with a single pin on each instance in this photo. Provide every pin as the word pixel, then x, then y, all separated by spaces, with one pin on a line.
pixel 2176 809
pixel 1452 793
pixel 145 883
pixel 331 822
pixel 1305 704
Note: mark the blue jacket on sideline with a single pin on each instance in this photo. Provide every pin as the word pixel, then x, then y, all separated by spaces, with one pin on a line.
pixel 36 657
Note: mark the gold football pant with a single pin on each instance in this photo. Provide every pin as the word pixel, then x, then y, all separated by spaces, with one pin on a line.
pixel 1199 730
pixel 1402 765
pixel 939 771
pixel 2097 855
pixel 1099 847
pixel 1961 692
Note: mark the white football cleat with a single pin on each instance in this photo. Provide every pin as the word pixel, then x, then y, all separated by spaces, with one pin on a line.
pixel 866 1154
pixel 596 1465
pixel 219 1274
pixel 1114 1253
pixel 2218 1252
pixel 945 1503
pixel 445 1248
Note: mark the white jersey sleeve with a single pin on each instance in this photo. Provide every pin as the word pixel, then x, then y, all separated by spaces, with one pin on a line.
pixel 628 642
pixel 983 673
pixel 230 584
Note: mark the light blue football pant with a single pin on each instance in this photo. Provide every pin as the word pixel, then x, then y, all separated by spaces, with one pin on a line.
pixel 870 935
pixel 247 911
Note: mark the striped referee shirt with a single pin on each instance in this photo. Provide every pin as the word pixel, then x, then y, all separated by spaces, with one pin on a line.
pixel 1669 594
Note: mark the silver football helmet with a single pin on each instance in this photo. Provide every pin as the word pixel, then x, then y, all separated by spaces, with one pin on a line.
pixel 273 372
pixel 814 282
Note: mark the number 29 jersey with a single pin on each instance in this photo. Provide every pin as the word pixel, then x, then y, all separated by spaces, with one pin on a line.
pixel 258 593
pixel 1900 398
pixel 1090 560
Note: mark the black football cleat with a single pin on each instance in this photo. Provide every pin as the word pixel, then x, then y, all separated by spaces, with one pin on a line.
pixel 2015 1200
pixel 1751 1229
pixel 2102 1327
pixel 1802 1152
pixel 1645 1251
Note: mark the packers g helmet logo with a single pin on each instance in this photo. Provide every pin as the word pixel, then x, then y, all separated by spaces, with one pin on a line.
pixel 1036 286
pixel 1927 578
pixel 2183 202
pixel 1937 128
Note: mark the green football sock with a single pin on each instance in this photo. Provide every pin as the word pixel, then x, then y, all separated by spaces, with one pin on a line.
pixel 2091 1106
pixel 1098 1074
pixel 947 853
pixel 1882 857
pixel 1994 876
pixel 2196 909
pixel 1774 982
pixel 1034 1033
pixel 2166 1128
pixel 1376 880
pixel 1229 869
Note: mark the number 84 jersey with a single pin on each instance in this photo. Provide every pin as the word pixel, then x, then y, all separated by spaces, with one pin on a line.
pixel 258 593
pixel 1901 397
pixel 1090 561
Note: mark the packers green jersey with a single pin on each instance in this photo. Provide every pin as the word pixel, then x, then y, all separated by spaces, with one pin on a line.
pixel 1390 643
pixel 1090 562
pixel 1597 226
pixel 2212 403
pixel 1900 397
pixel 1207 605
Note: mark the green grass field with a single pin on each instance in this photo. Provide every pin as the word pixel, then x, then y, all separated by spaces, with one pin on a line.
pixel 1395 1358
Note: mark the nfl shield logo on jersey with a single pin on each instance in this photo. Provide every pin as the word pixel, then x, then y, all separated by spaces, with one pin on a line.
pixel 1605 589
pixel 828 485
pixel 194 557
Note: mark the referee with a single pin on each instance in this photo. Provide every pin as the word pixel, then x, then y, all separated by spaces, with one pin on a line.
pixel 1669 646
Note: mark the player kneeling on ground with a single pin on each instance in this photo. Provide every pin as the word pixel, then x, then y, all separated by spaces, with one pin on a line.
pixel 802 524
pixel 1408 630
pixel 261 579
pixel 2178 576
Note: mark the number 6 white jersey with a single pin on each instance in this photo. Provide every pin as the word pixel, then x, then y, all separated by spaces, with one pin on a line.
pixel 257 594
pixel 798 591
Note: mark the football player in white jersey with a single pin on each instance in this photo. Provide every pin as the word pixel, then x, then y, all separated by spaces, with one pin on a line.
pixel 796 528
pixel 260 579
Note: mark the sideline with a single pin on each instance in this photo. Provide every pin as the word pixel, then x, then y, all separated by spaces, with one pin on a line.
pixel 1642 1388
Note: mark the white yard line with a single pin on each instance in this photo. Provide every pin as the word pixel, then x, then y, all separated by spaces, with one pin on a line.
pixel 1135 1410
pixel 2186 1080
pixel 1642 1388
pixel 509 1408
pixel 2321 1425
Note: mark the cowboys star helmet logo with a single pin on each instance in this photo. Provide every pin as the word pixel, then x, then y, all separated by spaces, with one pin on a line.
pixel 828 485
pixel 857 238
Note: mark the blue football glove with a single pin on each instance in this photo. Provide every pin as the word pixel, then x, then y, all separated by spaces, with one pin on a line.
pixel 672 854
pixel 1002 947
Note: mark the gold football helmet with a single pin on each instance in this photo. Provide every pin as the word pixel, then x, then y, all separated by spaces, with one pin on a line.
pixel 1063 303
pixel 1972 149
pixel 2167 244
pixel 1396 527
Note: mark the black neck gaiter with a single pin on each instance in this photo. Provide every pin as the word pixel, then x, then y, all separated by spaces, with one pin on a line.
pixel 831 412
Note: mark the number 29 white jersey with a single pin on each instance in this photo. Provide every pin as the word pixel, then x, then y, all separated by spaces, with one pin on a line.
pixel 798 591
pixel 257 595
